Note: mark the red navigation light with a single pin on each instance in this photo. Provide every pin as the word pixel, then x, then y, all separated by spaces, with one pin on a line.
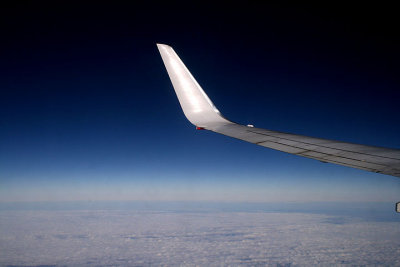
pixel 199 128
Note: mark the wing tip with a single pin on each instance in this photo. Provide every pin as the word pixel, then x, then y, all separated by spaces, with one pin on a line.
pixel 159 45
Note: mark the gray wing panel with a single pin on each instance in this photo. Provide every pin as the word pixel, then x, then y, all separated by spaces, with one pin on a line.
pixel 374 159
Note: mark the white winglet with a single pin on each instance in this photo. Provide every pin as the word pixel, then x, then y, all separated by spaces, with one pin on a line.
pixel 196 105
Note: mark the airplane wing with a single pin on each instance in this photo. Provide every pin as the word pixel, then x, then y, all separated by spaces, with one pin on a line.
pixel 201 112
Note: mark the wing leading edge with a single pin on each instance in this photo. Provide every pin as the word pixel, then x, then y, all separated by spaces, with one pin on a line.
pixel 201 112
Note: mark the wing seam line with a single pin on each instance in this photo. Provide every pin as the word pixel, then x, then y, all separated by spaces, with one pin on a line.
pixel 324 146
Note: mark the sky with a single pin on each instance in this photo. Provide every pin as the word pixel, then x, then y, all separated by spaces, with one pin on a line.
pixel 87 111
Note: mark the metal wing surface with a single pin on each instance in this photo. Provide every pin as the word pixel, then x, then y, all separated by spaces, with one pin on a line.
pixel 201 112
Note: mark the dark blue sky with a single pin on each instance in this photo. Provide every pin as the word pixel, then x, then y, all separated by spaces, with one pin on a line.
pixel 87 110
